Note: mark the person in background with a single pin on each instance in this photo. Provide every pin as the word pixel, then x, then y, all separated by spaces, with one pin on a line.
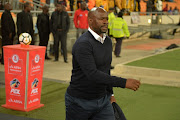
pixel 137 5
pixel 60 24
pixel 7 28
pixel 165 9
pixel 170 11
pixel 80 20
pixel 175 11
pixel 119 31
pixel 159 6
pixel 43 26
pixel 25 22
pixel 149 6
pixel 111 16
pixel 90 93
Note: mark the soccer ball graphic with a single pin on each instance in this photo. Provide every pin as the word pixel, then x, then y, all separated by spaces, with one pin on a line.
pixel 25 38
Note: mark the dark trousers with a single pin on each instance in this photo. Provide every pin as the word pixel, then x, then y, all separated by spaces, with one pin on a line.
pixel 60 36
pixel 81 109
pixel 118 46
pixel 6 41
pixel 80 32
pixel 44 38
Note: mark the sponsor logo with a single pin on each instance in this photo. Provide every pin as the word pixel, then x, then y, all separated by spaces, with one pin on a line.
pixel 15 58
pixel 33 86
pixel 35 83
pixel 15 84
pixel 15 101
pixel 36 58
pixel 34 100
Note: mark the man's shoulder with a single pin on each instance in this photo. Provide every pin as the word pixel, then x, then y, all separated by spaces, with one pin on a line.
pixel 53 13
pixel 20 13
pixel 85 38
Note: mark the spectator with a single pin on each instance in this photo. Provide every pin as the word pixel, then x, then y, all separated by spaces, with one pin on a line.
pixel 170 11
pixel 149 5
pixel 25 22
pixel 166 8
pixel 60 26
pixel 119 31
pixel 7 28
pixel 159 6
pixel 80 19
pixel 175 11
pixel 44 28
pixel 138 6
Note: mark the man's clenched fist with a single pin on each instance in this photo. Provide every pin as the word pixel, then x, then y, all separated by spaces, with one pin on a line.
pixel 132 84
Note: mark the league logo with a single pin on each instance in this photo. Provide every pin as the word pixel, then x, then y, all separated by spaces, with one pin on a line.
pixel 36 59
pixel 15 58
pixel 14 83
pixel 35 83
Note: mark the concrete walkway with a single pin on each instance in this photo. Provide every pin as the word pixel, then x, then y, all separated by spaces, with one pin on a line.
pixel 62 71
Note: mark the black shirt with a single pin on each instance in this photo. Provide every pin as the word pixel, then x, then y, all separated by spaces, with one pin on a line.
pixel 91 68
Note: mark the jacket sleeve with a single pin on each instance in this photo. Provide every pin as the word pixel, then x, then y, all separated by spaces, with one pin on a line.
pixel 5 23
pixel 84 56
pixel 18 23
pixel 51 22
pixel 76 19
pixel 68 22
pixel 39 23
pixel 125 29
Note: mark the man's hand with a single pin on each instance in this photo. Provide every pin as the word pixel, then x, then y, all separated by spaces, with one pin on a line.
pixel 112 99
pixel 132 84
pixel 10 35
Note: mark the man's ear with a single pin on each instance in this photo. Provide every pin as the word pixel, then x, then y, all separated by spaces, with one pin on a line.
pixel 90 20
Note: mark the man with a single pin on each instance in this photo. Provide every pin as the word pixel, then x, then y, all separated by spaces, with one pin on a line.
pixel 90 94
pixel 25 22
pixel 159 6
pixel 44 28
pixel 7 28
pixel 149 6
pixel 165 9
pixel 119 31
pixel 60 26
pixel 80 20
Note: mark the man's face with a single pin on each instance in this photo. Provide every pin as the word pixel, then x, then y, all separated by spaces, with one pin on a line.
pixel 28 8
pixel 99 22
pixel 46 10
pixel 59 8
pixel 83 6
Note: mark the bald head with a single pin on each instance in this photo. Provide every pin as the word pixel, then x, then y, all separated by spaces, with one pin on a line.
pixel 98 20
pixel 94 11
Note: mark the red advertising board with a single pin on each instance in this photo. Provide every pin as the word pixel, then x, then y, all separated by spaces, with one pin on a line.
pixel 23 76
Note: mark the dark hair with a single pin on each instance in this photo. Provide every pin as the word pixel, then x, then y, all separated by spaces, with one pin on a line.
pixel 26 4
pixel 120 14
